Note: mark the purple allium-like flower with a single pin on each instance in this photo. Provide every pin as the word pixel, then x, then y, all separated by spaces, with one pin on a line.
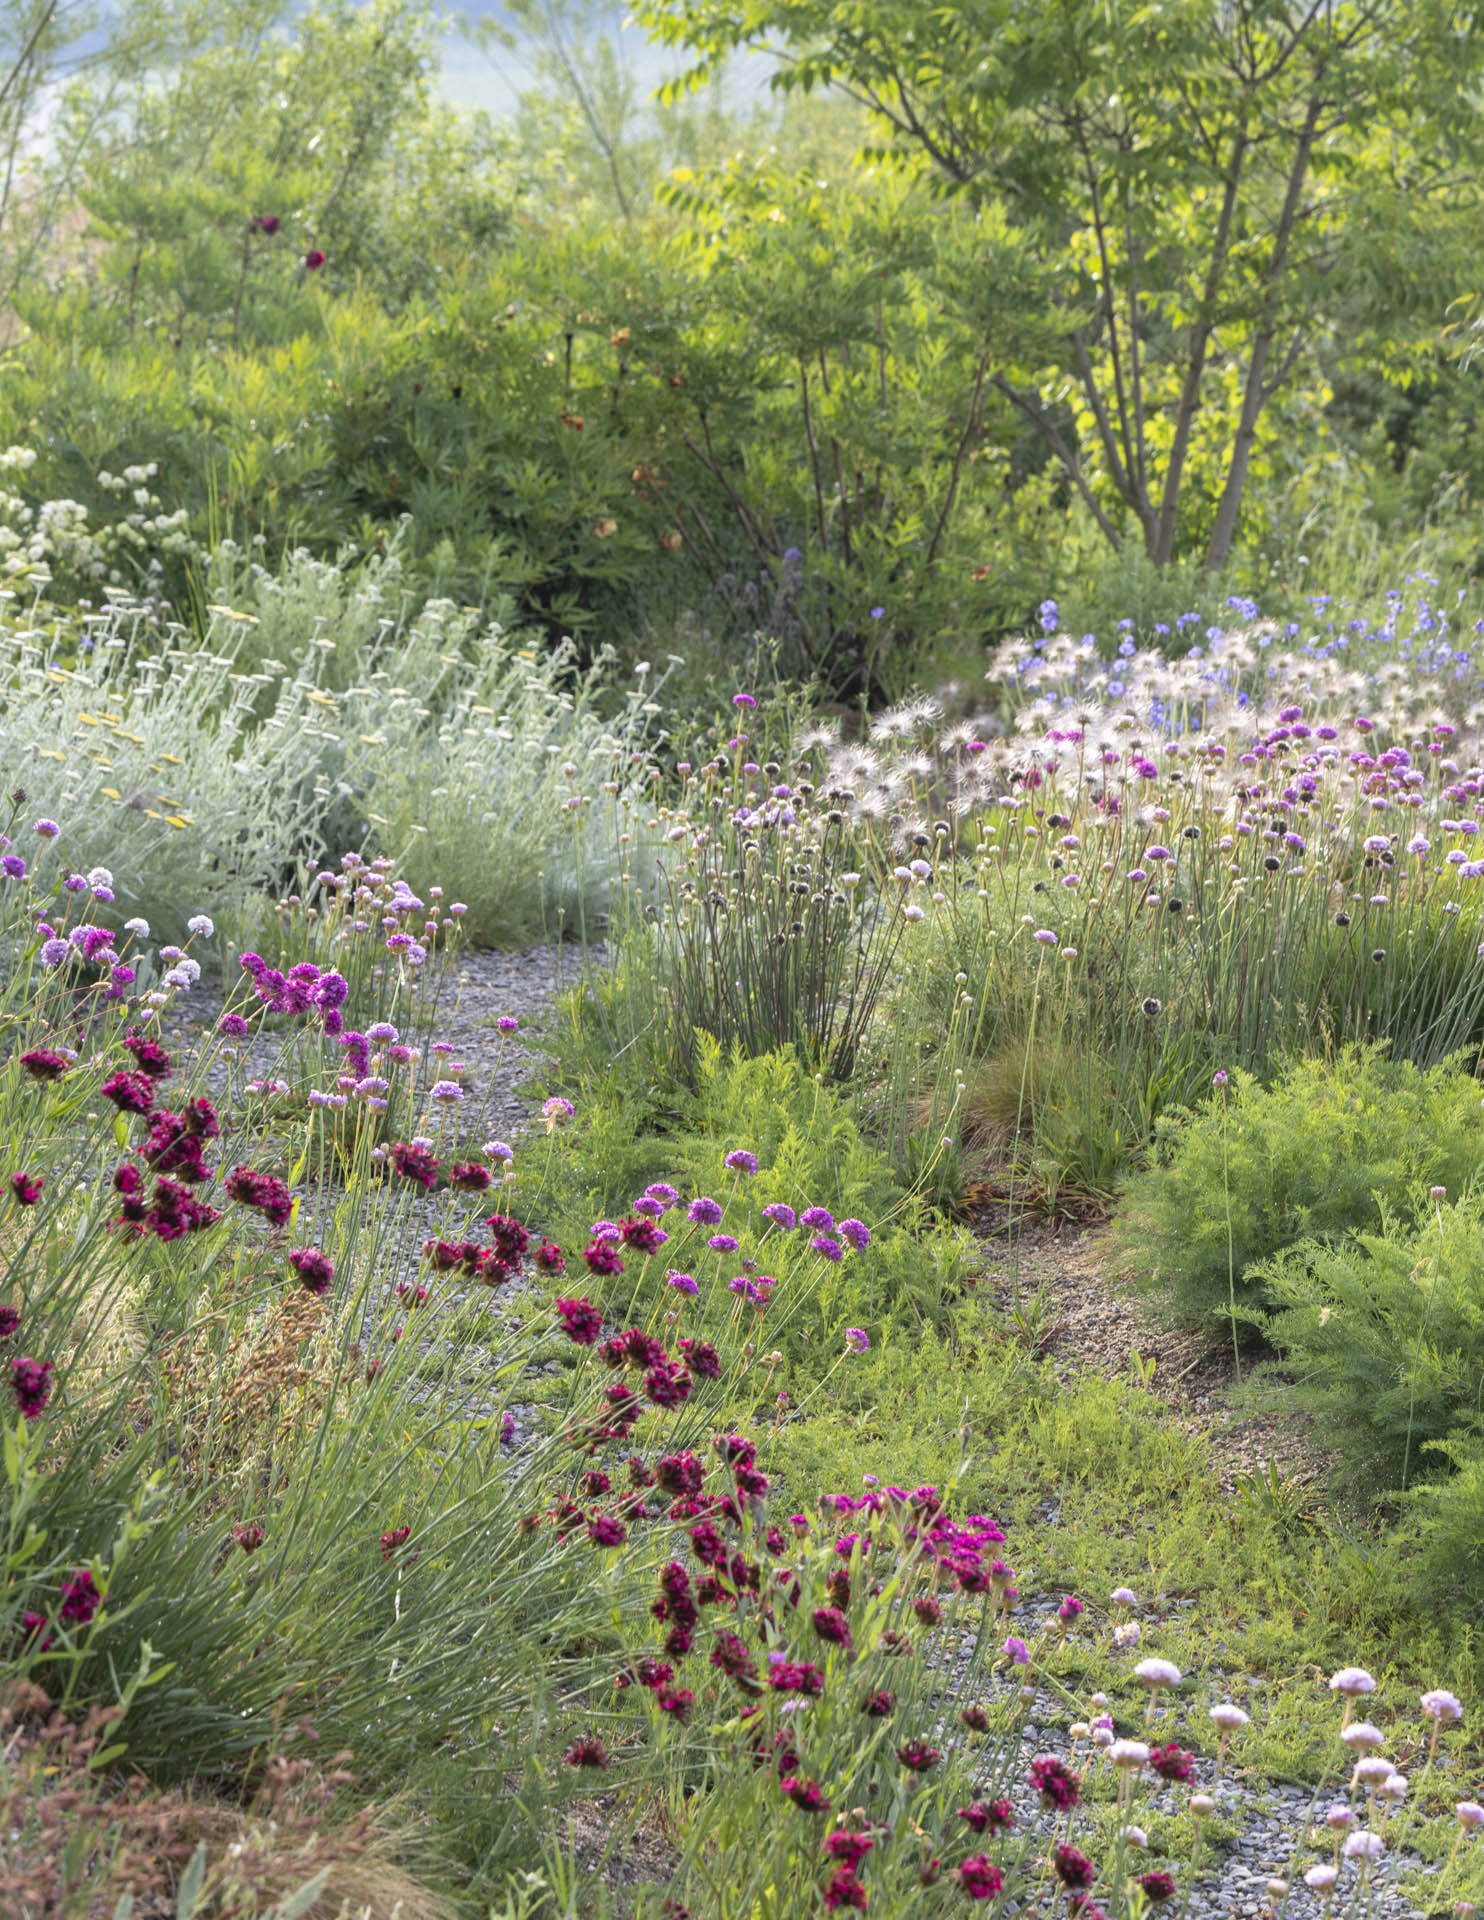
pixel 234 1026
pixel 507 1023
pixel 48 829
pixel 743 700
pixel 855 1233
pixel 722 1243
pixel 54 952
pixel 827 1248
pixel 781 1216
pixel 446 1090
pixel 13 865
pixel 31 1383
pixel 555 1110
pixel 857 1339
pixel 1017 1650
pixel 817 1217
pixel 741 1161
pixel 682 1283
pixel 704 1212
pixel 498 1151
pixel 1069 1610
pixel 658 1190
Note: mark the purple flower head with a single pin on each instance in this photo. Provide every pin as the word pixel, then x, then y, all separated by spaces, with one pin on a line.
pixel 857 1339
pixel 54 952
pixel 682 1283
pixel 827 1248
pixel 817 1217
pixel 781 1216
pixel 741 1161
pixel 1018 1651
pixel 743 700
pixel 382 1032
pixel 855 1233
pixel 704 1212
pixel 667 1196
pixel 722 1243
pixel 507 1024
pixel 14 865
pixel 48 829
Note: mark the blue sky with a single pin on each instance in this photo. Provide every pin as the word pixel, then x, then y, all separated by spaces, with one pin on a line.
pixel 492 79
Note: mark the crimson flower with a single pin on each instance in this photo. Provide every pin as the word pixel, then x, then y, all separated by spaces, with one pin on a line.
pixel 31 1383
pixel 587 1752
pixel 316 1270
pixel 980 1878
pixel 314 260
pixel 27 1188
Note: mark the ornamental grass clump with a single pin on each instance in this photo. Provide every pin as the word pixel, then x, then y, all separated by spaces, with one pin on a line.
pixel 762 929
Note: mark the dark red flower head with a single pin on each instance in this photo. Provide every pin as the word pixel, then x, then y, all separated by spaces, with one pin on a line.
pixel 917 1756
pixel 587 1752
pixel 1158 1886
pixel 1054 1780
pixel 847 1847
pixel 31 1383
pixel 1171 1762
pixel 10 1319
pixel 149 1056
pixel 80 1599
pixel 27 1188
pixel 267 223
pixel 831 1624
pixel 469 1177
pixel 843 1889
pixel 988 1816
pixel 129 1092
pixel 45 1063
pixel 581 1321
pixel 980 1878
pixel 314 260
pixel 1072 1866
pixel 549 1258
pixel 249 1538
pixel 316 1270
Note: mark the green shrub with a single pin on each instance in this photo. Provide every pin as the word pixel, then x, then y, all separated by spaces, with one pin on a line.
pixel 1385 1334
pixel 1319 1153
